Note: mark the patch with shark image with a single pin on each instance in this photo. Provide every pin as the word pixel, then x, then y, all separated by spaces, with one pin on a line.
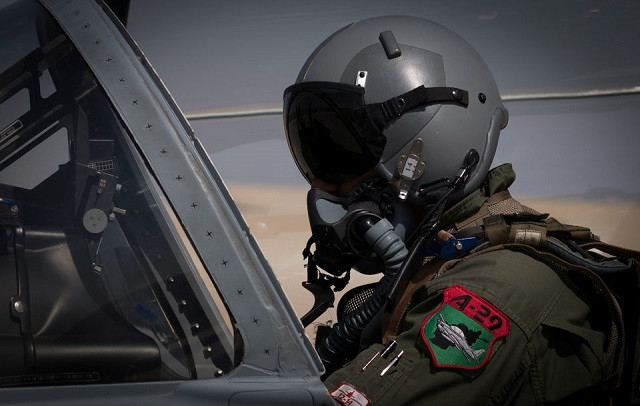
pixel 462 330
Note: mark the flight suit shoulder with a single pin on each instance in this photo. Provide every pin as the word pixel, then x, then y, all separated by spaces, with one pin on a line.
pixel 497 328
pixel 561 347
pixel 522 287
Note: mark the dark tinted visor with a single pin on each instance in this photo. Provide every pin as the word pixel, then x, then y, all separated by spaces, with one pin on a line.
pixel 329 131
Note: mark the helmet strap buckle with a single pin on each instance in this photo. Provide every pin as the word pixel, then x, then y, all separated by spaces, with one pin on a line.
pixel 410 167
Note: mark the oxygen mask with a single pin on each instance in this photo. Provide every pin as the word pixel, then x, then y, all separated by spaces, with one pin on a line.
pixel 338 225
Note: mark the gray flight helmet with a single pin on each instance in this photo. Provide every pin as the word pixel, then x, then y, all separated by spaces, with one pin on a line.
pixel 398 54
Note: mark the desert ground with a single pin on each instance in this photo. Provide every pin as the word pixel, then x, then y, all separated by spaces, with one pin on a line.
pixel 277 218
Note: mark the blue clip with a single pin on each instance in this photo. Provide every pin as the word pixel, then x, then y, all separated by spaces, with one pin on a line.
pixel 454 247
pixel 8 202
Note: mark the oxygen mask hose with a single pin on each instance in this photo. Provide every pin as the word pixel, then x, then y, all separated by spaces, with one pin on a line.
pixel 342 344
pixel 344 340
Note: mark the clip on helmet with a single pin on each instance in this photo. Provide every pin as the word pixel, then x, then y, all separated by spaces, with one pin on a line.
pixel 401 95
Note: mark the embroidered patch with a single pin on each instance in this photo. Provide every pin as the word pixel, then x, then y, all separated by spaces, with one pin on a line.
pixel 461 332
pixel 346 394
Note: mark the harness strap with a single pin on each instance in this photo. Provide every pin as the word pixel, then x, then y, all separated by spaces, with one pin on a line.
pixel 626 285
pixel 611 249
pixel 498 203
pixel 391 324
pixel 573 232
pixel 498 231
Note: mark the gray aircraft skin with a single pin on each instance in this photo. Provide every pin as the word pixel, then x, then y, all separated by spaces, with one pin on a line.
pixel 130 274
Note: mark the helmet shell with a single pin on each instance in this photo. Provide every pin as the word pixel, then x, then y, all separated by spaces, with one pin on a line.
pixel 430 55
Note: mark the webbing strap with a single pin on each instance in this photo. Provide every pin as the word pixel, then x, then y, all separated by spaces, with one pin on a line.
pixel 392 323
pixel 498 203
pixel 498 231
pixel 612 249
pixel 573 232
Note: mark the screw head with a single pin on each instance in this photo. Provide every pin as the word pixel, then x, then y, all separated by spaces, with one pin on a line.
pixel 19 306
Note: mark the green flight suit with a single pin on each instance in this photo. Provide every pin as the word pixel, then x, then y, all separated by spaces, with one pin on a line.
pixel 549 352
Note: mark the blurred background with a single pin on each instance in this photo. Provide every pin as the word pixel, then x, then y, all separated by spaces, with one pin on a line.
pixel 569 73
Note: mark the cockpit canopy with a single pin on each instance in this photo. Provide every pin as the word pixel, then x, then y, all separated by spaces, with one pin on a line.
pixel 103 287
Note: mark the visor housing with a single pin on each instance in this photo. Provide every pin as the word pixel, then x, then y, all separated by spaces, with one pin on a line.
pixel 329 132
pixel 335 136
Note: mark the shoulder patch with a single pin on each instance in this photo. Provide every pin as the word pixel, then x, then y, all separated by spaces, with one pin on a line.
pixel 461 332
pixel 347 394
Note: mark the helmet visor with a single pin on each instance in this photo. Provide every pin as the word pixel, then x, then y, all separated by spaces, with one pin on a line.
pixel 329 131
pixel 334 136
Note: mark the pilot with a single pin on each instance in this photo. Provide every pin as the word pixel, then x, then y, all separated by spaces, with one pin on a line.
pixel 394 122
